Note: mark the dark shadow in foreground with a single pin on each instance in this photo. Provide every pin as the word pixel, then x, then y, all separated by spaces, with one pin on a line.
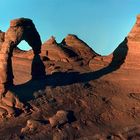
pixel 25 91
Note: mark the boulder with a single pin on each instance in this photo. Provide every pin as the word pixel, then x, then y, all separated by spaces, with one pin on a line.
pixel 31 126
pixel 59 118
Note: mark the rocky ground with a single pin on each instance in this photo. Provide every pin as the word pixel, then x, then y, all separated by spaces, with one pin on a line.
pixel 84 96
pixel 95 109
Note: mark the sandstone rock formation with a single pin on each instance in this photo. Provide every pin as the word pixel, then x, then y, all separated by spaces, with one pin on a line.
pixel 1 38
pixel 71 49
pixel 30 126
pixel 134 35
pixel 54 51
pixel 59 118
pixel 20 29
pixel 102 92
pixel 79 52
pixel 73 43
pixel 125 60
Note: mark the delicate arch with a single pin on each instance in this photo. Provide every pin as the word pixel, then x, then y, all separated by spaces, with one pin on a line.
pixel 20 29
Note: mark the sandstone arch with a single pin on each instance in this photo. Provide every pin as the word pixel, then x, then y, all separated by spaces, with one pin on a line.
pixel 20 29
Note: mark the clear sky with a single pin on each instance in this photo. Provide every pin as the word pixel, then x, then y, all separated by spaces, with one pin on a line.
pixel 102 24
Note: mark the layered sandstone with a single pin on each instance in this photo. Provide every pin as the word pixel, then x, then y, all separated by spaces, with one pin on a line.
pixel 122 65
pixel 79 47
pixel 20 29
pixel 98 95
pixel 70 49
pixel 134 34
pixel 125 60
pixel 54 51
pixel 1 38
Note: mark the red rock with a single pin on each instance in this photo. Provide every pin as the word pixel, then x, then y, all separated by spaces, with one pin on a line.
pixel 2 34
pixel 57 52
pixel 134 35
pixel 79 47
pixel 20 29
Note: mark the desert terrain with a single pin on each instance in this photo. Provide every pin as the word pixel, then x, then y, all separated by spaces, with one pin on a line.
pixel 92 97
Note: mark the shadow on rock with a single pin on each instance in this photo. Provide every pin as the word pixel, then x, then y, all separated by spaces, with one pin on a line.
pixel 25 91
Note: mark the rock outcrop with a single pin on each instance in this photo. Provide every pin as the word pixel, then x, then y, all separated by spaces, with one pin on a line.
pixel 1 38
pixel 54 51
pixel 125 60
pixel 126 54
pixel 102 91
pixel 123 64
pixel 134 34
pixel 20 29
pixel 79 47
pixel 71 49
pixel 59 118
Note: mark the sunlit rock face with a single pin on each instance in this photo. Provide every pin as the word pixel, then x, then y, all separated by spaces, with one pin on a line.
pixel 71 49
pixel 54 51
pixel 20 29
pixel 132 60
pixel 71 55
pixel 134 34
pixel 1 38
pixel 123 64
pixel 80 47
pixel 125 59
pixel 106 89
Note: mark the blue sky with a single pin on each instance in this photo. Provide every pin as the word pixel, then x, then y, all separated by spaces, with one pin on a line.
pixel 102 24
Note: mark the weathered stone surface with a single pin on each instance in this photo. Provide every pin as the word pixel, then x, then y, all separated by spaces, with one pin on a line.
pixel 57 52
pixel 134 34
pixel 79 47
pixel 3 112
pixel 71 49
pixel 2 34
pixel 20 29
pixel 21 22
pixel 30 126
pixel 59 118
pixel 9 104
pixel 24 29
pixel 124 63
pixel 102 97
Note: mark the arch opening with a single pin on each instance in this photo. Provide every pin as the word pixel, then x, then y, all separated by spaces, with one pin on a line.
pixel 24 46
pixel 21 65
pixel 20 29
